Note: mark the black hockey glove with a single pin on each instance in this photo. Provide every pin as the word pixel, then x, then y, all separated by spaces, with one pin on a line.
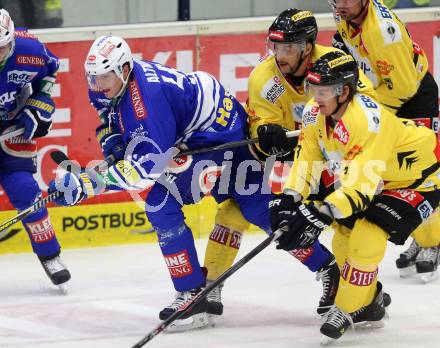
pixel 111 143
pixel 338 42
pixel 300 223
pixel 273 140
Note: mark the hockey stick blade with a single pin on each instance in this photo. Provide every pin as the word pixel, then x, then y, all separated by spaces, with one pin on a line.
pixel 196 300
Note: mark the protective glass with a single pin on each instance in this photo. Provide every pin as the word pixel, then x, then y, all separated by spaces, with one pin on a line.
pixel 100 82
pixel 285 48
pixel 322 93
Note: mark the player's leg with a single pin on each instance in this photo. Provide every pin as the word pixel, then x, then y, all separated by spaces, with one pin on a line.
pixel 255 208
pixel 359 297
pixel 427 236
pixel 177 245
pixel 223 245
pixel 23 191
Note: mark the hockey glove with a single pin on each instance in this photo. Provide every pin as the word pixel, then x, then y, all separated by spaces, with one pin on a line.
pixel 111 143
pixel 300 223
pixel 75 187
pixel 36 116
pixel 273 140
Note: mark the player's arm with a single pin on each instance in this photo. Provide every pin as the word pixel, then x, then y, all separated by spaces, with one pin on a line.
pixel 397 69
pixel 266 124
pixel 36 115
pixel 362 170
pixel 308 161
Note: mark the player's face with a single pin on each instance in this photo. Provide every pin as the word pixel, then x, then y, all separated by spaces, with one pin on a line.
pixel 108 83
pixel 4 51
pixel 287 56
pixel 348 9
pixel 325 97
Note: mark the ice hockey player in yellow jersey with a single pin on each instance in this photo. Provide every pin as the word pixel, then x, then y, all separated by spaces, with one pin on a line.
pixel 275 104
pixel 388 171
pixel 398 67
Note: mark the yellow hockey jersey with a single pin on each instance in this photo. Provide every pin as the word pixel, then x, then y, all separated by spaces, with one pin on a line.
pixel 273 99
pixel 369 149
pixel 386 53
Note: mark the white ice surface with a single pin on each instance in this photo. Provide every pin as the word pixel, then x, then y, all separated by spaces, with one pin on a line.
pixel 116 293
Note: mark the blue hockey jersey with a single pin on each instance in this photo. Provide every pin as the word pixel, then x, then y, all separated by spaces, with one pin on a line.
pixel 163 107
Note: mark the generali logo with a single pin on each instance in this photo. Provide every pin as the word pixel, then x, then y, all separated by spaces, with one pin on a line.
pixel 341 133
pixel 136 101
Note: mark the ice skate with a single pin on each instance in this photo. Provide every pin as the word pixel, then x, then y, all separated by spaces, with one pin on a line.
pixel 197 318
pixel 338 322
pixel 427 263
pixel 56 271
pixel 406 263
pixel 329 275
pixel 214 298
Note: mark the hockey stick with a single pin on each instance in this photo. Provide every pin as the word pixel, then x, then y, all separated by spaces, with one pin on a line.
pixel 290 134
pixel 14 133
pixel 196 300
pixel 38 204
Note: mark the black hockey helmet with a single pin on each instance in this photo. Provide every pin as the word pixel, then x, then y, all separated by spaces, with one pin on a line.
pixel 293 25
pixel 334 68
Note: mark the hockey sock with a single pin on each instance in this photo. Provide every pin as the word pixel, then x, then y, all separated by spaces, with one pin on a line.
pixel 179 252
pixel 221 251
pixel 313 257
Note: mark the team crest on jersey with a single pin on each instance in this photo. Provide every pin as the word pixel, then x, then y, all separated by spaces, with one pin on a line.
pixel 20 77
pixel 273 89
pixel 341 133
pixel 137 101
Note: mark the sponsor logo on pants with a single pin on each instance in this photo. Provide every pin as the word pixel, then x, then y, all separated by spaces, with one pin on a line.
pixel 178 264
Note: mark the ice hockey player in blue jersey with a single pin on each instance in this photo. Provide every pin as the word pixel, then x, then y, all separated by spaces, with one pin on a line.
pixel 151 110
pixel 28 72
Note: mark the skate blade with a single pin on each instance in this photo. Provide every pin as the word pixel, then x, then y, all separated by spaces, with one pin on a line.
pixel 368 325
pixel 197 321
pixel 428 277
pixel 326 341
pixel 407 272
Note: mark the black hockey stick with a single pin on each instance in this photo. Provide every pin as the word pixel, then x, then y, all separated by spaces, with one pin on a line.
pixel 56 156
pixel 196 300
pixel 290 134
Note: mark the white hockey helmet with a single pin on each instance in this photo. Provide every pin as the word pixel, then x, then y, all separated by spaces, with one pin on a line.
pixel 108 53
pixel 7 32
